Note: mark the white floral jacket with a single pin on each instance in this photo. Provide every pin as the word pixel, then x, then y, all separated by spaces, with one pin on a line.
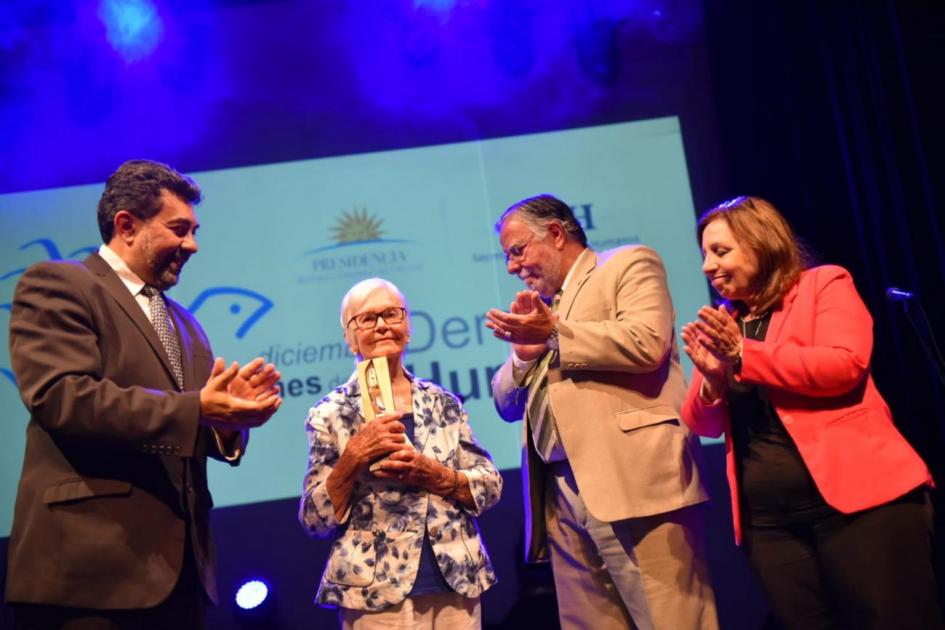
pixel 375 556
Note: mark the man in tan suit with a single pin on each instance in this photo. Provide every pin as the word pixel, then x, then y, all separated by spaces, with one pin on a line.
pixel 613 491
pixel 126 402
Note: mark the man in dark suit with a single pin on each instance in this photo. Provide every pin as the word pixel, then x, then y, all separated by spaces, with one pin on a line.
pixel 111 527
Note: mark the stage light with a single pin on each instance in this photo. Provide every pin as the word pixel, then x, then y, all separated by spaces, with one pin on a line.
pixel 252 594
pixel 133 27
pixel 255 606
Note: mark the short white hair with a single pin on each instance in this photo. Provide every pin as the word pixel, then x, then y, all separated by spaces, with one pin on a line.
pixel 360 291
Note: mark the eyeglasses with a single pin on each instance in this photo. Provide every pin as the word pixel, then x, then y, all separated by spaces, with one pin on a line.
pixel 517 252
pixel 367 321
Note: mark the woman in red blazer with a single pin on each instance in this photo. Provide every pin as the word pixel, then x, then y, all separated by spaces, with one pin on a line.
pixel 828 499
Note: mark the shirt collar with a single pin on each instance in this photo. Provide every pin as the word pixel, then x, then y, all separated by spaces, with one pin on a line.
pixel 120 267
pixel 567 278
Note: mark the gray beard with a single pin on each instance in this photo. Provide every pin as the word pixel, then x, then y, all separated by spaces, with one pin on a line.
pixel 552 270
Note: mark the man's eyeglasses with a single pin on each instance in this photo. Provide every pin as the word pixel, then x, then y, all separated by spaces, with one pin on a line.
pixel 517 252
pixel 367 321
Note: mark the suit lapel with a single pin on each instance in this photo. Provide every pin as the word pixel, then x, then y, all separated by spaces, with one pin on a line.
pixel 117 289
pixel 778 316
pixel 584 267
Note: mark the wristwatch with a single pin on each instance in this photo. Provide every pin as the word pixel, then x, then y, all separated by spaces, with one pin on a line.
pixel 552 340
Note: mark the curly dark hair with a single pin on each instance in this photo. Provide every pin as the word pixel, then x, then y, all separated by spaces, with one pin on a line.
pixel 136 188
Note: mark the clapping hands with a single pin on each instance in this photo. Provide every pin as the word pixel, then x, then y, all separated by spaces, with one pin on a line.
pixel 240 398
pixel 714 343
pixel 526 326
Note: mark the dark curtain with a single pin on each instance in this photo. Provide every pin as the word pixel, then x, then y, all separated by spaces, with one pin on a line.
pixel 834 112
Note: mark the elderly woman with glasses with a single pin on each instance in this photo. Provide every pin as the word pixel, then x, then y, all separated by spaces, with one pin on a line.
pixel 398 494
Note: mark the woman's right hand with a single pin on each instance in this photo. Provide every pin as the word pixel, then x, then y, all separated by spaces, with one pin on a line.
pixel 376 439
pixel 713 371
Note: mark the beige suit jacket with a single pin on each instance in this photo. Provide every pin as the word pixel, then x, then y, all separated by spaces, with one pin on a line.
pixel 616 395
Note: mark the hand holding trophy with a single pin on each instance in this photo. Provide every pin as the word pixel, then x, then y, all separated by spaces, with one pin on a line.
pixel 377 393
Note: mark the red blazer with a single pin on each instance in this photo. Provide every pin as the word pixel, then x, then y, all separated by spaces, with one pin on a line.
pixel 814 367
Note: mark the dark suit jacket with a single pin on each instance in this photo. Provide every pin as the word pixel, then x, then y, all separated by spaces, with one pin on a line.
pixel 114 473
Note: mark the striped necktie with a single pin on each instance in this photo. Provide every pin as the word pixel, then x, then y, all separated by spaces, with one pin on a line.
pixel 165 332
pixel 540 416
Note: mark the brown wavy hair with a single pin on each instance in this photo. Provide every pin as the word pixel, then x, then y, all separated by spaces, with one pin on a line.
pixel 136 187
pixel 758 226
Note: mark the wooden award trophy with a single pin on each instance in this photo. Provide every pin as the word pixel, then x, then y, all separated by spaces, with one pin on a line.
pixel 377 394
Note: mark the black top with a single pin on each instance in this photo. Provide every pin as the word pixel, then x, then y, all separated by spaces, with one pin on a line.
pixel 775 487
pixel 429 577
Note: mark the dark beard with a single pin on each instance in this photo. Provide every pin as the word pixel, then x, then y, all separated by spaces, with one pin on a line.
pixel 166 273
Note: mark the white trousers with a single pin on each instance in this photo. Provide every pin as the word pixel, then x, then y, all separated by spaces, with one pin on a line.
pixel 446 611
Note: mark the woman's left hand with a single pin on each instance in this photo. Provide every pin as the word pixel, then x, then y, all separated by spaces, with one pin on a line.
pixel 412 468
pixel 720 334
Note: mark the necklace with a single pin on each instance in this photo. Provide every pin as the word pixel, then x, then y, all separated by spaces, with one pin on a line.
pixel 751 327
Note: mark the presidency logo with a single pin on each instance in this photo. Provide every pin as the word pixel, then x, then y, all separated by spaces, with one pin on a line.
pixel 357 227
pixel 360 248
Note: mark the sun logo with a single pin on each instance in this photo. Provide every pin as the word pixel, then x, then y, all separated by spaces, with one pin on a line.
pixel 356 226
